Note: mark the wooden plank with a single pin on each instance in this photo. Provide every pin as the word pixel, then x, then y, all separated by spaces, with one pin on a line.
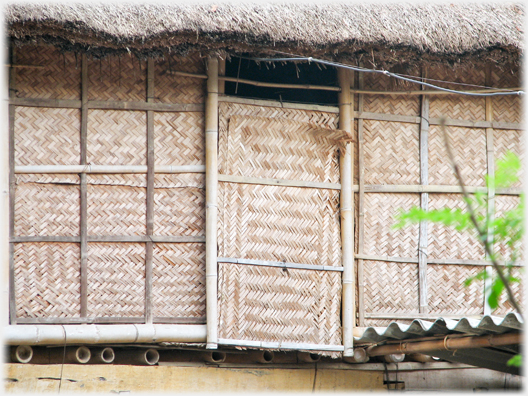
pixel 424 202
pixel 279 264
pixel 145 238
pixel 12 186
pixel 278 182
pixel 361 204
pixel 115 169
pixel 57 239
pixel 83 223
pixel 507 125
pixel 280 345
pixel 146 106
pixel 363 115
pixel 275 103
pixel 52 103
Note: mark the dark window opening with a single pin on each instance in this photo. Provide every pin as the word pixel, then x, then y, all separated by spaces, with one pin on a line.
pixel 284 73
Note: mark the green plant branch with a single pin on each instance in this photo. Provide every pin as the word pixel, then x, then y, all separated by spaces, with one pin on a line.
pixel 482 235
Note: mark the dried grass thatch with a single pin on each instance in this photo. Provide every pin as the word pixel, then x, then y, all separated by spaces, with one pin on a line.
pixel 382 34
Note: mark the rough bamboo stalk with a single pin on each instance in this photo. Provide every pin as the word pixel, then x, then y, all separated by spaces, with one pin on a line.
pixel 9 205
pixel 424 180
pixel 491 190
pixel 211 206
pixel 278 85
pixel 346 162
pixel 149 247
pixel 83 188
pixel 361 214
pixel 276 103
pixel 432 91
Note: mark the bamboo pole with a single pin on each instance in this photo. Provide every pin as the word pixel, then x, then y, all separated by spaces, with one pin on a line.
pixel 361 209
pixel 432 91
pixel 83 188
pixel 447 344
pixel 211 206
pixel 108 169
pixel 346 162
pixel 8 205
pixel 221 73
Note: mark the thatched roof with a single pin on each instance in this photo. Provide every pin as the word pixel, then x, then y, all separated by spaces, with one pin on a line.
pixel 386 34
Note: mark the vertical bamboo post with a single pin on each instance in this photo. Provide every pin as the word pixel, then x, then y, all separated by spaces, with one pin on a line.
pixel 424 180
pixel 361 205
pixel 221 72
pixel 346 162
pixel 211 206
pixel 490 151
pixel 150 193
pixel 8 204
pixel 83 232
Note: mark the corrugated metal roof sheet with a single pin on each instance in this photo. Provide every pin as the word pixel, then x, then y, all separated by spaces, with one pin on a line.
pixel 424 328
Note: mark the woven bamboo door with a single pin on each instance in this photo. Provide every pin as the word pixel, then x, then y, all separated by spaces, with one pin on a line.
pixel 279 242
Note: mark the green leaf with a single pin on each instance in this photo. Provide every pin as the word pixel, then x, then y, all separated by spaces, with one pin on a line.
pixel 495 292
pixel 515 361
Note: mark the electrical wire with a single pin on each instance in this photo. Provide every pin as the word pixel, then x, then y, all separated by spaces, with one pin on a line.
pixel 386 73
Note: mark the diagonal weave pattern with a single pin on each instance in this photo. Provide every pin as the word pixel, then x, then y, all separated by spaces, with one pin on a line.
pixel 120 78
pixel 505 203
pixel 518 293
pixel 469 149
pixel 47 205
pixel 227 110
pixel 116 204
pixel 116 279
pixel 458 107
pixel 390 287
pixel 506 108
pixel 447 293
pixel 179 204
pixel 391 152
pixel 510 140
pixel 170 88
pixel 273 223
pixel 47 280
pixel 58 77
pixel 282 149
pixel 178 280
pixel 401 105
pixel 446 242
pixel 117 137
pixel 380 239
pixel 271 304
pixel 45 136
pixel 179 138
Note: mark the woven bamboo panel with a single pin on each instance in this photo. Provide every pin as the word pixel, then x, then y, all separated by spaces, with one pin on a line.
pixel 117 78
pixel 392 154
pixel 401 105
pixel 227 110
pixel 510 140
pixel 274 223
pixel 518 293
pixel 117 137
pixel 58 76
pixel 459 107
pixel 469 149
pixel 282 149
pixel 505 203
pixel 116 204
pixel 170 88
pixel 380 239
pixel 372 322
pixel 446 242
pixel 506 108
pixel 47 280
pixel 179 138
pixel 179 204
pixel 45 136
pixel 390 287
pixel 448 295
pixel 271 304
pixel 178 280
pixel 116 279
pixel 47 204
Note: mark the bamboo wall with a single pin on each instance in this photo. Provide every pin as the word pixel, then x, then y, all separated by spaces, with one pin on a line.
pixel 128 245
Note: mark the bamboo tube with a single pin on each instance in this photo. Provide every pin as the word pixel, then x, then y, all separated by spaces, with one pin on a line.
pixel 307 357
pixel 21 354
pixel 145 357
pixel 75 355
pixel 347 220
pixel 102 356
pixel 211 208
pixel 394 358
pixel 214 357
pixel 360 356
pixel 420 357
pixel 447 344
pixel 262 356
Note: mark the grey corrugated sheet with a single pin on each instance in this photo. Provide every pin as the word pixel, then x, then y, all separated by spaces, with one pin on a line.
pixel 423 328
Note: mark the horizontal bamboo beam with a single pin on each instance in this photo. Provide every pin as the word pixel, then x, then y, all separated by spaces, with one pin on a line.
pixel 278 85
pixel 477 124
pixel 365 115
pixel 278 182
pixel 109 320
pixel 281 345
pixel 447 344
pixel 278 264
pixel 414 260
pixel 432 188
pixel 417 315
pixel 430 92
pixel 111 238
pixel 108 169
